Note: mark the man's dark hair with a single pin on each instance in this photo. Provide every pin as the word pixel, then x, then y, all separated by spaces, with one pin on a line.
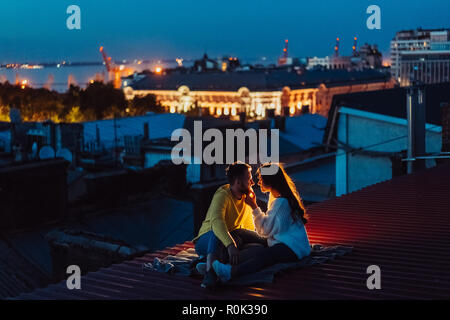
pixel 236 170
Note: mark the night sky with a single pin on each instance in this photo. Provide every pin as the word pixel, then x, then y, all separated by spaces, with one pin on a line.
pixel 35 31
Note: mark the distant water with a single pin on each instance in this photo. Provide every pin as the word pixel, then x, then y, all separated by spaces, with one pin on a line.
pixel 40 77
pixel 58 77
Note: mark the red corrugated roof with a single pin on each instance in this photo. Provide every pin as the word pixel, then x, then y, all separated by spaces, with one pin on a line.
pixel 402 225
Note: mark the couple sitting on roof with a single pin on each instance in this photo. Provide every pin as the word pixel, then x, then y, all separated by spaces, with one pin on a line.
pixel 238 238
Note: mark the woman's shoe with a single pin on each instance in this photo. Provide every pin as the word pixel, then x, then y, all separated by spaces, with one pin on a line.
pixel 223 271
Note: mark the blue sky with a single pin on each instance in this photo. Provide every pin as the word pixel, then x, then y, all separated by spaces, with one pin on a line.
pixel 36 31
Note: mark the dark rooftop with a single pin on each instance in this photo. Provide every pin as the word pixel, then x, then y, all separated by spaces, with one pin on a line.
pixel 256 80
pixel 401 225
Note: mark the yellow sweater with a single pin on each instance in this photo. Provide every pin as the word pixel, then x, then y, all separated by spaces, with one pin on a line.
pixel 226 214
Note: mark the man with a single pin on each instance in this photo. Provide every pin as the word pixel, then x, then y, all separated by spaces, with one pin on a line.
pixel 228 225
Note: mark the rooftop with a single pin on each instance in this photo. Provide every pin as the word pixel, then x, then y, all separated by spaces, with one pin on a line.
pixel 401 225
pixel 391 102
pixel 160 126
pixel 256 80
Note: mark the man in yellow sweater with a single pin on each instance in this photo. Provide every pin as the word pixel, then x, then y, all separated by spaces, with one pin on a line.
pixel 228 225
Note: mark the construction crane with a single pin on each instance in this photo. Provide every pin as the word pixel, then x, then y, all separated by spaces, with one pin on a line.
pixel 115 73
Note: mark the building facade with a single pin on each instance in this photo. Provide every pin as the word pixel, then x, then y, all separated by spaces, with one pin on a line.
pixel 258 95
pixel 415 42
pixel 369 144
pixel 426 66
pixel 329 63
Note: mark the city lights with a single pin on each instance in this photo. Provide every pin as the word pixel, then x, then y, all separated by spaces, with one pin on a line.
pixel 24 84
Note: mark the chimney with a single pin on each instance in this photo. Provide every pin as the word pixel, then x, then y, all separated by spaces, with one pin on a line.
pixel 146 131
pixel 280 123
pixel 415 111
pixel 243 117
pixel 97 136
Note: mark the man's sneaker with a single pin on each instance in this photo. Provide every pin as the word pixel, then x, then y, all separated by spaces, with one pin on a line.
pixel 223 271
pixel 201 268
pixel 209 280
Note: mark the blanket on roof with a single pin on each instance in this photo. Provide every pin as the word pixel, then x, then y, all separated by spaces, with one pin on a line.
pixel 184 262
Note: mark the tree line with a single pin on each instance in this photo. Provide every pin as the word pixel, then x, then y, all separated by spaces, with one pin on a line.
pixel 96 102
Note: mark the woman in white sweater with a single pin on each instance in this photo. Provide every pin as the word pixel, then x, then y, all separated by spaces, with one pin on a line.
pixel 282 225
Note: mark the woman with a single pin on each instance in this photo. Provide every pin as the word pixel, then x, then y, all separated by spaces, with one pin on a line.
pixel 282 225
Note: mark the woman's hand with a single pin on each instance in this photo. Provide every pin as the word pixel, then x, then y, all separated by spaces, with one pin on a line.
pixel 250 199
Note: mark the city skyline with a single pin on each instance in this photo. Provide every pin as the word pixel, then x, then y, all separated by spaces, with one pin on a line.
pixel 36 32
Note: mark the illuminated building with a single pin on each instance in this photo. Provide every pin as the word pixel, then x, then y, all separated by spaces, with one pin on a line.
pixel 412 46
pixel 258 93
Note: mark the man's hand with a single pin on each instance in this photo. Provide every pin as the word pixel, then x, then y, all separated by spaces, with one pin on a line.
pixel 250 199
pixel 233 253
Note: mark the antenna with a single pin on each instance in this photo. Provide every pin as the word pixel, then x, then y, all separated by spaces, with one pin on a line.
pixel 336 47
pixel 355 43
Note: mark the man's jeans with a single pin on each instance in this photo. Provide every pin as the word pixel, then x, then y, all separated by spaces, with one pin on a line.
pixel 209 243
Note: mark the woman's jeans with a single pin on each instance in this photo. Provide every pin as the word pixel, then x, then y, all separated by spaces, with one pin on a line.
pixel 254 259
pixel 209 243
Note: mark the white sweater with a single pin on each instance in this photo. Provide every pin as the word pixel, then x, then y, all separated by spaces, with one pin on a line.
pixel 278 226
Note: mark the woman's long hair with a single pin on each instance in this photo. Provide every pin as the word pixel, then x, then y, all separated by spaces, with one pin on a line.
pixel 282 183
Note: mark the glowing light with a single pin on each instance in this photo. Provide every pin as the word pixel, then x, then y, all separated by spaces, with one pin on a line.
pixel 299 105
pixel 257 295
pixel 219 111
pixel 259 109
pixel 292 110
pixel 226 111
pixel 186 106
pixel 121 67
pixel 179 61
pixel 233 112
pixel 24 83
pixel 158 70
pixel 127 110
pixel 172 109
